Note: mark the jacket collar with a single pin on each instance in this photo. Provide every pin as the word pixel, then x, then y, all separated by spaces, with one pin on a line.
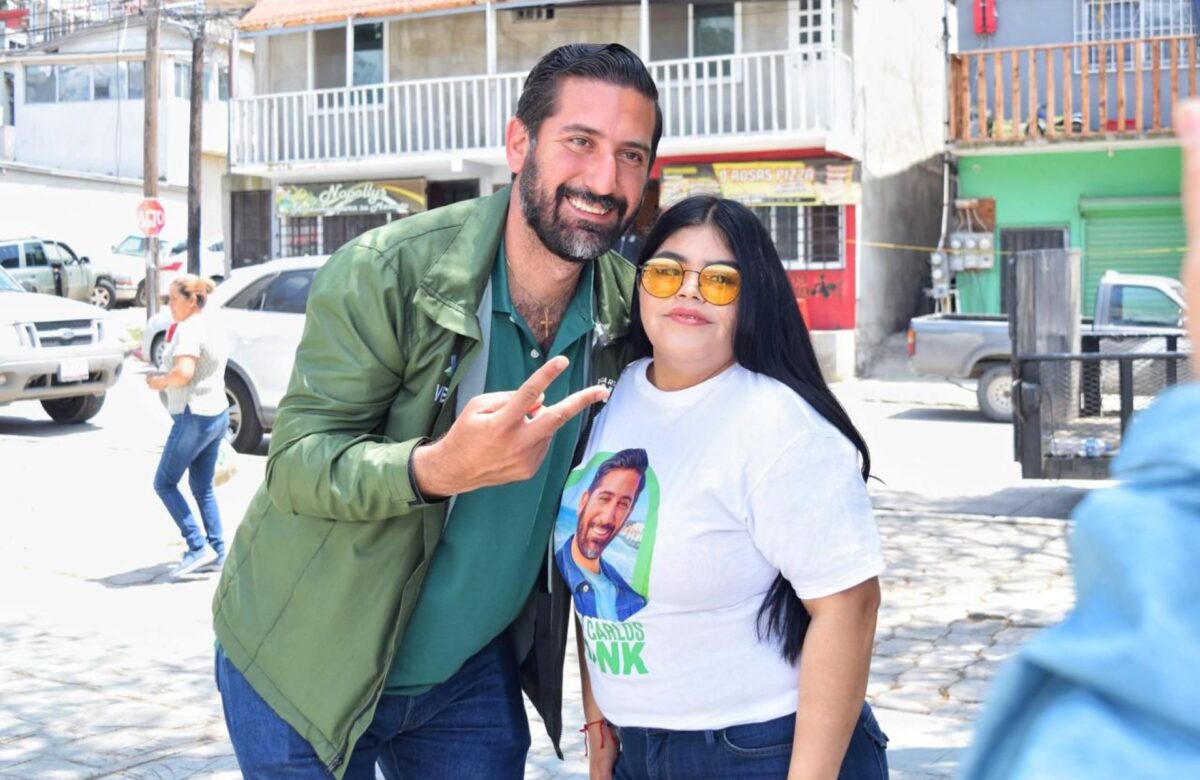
pixel 450 291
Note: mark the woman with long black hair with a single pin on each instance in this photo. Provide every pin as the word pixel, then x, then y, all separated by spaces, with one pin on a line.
pixel 717 536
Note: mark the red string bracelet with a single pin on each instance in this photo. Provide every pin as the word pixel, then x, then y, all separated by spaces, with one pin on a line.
pixel 584 730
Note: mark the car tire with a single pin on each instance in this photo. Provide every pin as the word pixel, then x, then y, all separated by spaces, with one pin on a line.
pixel 140 297
pixel 245 429
pixel 76 409
pixel 994 393
pixel 158 351
pixel 104 294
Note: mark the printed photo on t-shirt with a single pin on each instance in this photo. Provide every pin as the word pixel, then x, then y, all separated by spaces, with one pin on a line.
pixel 604 535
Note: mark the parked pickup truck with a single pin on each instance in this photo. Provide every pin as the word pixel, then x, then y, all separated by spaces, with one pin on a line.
pixel 979 346
pixel 65 354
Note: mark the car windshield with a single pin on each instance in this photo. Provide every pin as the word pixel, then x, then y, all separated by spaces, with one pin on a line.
pixel 132 245
pixel 9 284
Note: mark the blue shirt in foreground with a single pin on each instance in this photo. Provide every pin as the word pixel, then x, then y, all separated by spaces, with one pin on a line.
pixel 1113 690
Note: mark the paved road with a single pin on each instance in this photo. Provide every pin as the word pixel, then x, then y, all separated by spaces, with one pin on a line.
pixel 105 664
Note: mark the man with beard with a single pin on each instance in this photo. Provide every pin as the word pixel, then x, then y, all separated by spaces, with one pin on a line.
pixel 599 589
pixel 393 572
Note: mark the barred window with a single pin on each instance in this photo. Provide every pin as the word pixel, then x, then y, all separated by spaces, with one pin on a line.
pixel 299 236
pixel 1109 20
pixel 805 236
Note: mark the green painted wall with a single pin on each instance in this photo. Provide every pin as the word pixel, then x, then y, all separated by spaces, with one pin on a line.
pixel 1043 190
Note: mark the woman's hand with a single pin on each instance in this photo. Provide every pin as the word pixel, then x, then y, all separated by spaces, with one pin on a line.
pixel 603 750
pixel 156 382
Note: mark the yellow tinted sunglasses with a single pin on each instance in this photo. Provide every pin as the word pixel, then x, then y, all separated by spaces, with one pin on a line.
pixel 719 283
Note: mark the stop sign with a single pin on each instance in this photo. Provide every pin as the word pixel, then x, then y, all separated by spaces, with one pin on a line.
pixel 150 217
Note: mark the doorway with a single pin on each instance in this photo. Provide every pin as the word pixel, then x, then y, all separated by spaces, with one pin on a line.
pixel 443 193
pixel 1014 240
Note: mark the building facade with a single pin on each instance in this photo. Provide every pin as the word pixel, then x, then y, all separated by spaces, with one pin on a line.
pixel 1061 111
pixel 368 112
pixel 73 113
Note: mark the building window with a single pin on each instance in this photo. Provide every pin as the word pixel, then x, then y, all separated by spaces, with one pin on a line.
pixel 1133 20
pixel 299 236
pixel 222 84
pixel 104 82
pixel 368 54
pixel 74 83
pixel 1110 20
pixel 806 237
pixel 40 84
pixel 133 74
pixel 541 13
pixel 183 80
pixel 712 30
pixel 812 25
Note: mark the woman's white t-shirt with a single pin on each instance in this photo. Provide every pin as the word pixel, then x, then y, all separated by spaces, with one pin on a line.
pixel 205 395
pixel 744 481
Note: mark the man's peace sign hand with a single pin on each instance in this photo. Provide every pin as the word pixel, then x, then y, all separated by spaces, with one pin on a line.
pixel 499 437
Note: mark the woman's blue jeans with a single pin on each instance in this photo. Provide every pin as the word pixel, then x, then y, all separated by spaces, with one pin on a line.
pixel 192 447
pixel 757 750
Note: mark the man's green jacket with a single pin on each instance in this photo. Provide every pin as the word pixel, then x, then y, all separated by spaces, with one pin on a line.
pixel 329 560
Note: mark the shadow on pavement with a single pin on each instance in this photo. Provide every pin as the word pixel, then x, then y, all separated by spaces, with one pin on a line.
pixel 41 429
pixel 158 574
pixel 1054 502
pixel 942 414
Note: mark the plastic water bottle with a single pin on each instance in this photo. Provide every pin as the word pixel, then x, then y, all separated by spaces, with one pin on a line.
pixel 1065 446
pixel 1094 448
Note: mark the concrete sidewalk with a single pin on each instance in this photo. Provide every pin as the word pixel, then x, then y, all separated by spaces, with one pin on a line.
pixel 106 663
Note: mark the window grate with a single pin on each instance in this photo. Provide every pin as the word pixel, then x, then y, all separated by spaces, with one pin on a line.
pixel 299 236
pixel 806 237
pixel 1132 20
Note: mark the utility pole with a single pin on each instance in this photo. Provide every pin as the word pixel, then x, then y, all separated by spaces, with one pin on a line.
pixel 150 148
pixel 195 129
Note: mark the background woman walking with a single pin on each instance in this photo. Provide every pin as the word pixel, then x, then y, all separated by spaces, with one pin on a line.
pixel 195 388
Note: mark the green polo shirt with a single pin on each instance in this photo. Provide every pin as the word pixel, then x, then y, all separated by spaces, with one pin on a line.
pixel 496 538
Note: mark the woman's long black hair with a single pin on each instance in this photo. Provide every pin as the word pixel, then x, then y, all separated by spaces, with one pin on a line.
pixel 769 338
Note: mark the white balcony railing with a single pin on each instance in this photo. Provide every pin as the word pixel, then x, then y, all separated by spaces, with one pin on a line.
pixel 800 94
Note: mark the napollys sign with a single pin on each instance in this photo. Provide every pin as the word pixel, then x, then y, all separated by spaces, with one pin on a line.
pixel 402 196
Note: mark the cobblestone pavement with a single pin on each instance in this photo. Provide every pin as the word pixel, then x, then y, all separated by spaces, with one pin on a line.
pixel 115 680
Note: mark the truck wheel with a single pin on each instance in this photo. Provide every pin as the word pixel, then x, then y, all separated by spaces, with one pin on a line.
pixel 77 409
pixel 995 394
pixel 104 294
pixel 245 431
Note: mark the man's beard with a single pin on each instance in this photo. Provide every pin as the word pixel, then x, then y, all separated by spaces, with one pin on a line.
pixel 578 243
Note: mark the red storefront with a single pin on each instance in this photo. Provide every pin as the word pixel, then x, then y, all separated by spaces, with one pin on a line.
pixel 808 201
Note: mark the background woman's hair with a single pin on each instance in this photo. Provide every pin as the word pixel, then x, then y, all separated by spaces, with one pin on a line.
pixel 195 287
pixel 770 338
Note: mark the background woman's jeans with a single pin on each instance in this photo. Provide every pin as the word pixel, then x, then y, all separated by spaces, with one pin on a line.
pixel 760 751
pixel 192 446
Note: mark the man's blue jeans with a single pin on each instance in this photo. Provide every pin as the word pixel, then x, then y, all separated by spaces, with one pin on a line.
pixel 192 446
pixel 471 727
pixel 758 751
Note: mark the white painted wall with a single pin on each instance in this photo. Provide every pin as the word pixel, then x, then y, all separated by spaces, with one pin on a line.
pixel 900 94
pixel 92 216
pixel 101 136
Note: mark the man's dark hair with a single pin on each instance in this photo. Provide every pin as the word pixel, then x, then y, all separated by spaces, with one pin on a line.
pixel 633 460
pixel 611 63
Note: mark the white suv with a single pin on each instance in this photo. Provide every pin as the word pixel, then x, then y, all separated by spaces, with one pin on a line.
pixel 63 353
pixel 130 254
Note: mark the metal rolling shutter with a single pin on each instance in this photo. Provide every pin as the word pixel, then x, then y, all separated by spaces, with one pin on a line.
pixel 1134 236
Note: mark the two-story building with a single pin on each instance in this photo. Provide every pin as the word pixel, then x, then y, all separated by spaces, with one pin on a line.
pixel 368 111
pixel 73 113
pixel 1061 113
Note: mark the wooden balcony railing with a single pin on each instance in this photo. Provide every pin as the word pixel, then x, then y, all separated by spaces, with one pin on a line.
pixel 1122 88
